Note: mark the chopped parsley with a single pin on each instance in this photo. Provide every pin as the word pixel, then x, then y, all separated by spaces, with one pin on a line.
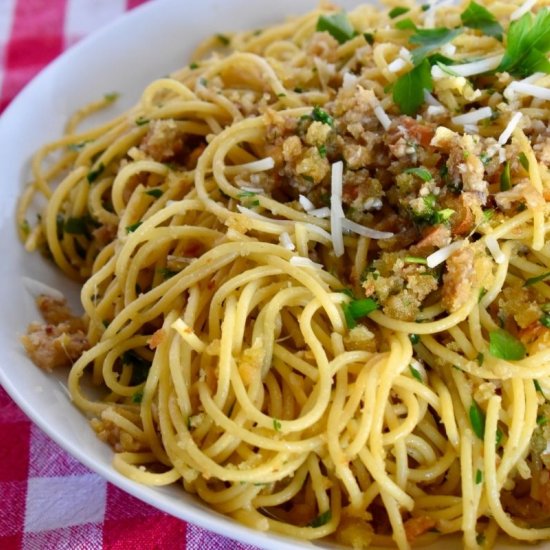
pixel 479 476
pixel 542 420
pixel 167 273
pixel 545 320
pixel 408 91
pixel 416 374
pixel 477 420
pixel 414 338
pixel 157 193
pixel 423 173
pixel 133 227
pixel 141 121
pixel 527 43
pixel 505 346
pixel 194 66
pixel 357 309
pixel 416 260
pixel 276 425
pixel 480 358
pixel 397 11
pixel 480 18
pixel 112 96
pixel 524 161
pixel 369 37
pixel 429 40
pixel 539 278
pixel 319 115
pixel 222 39
pixel 322 151
pixel 505 179
pixel 137 397
pixel 321 519
pixel 76 226
pixel 95 173
pixel 338 25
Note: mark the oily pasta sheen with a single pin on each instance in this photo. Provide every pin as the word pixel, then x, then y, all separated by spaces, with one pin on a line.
pixel 314 268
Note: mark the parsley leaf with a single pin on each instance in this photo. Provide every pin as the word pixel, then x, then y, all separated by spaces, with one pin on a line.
pixel 479 476
pixel 321 519
pixel 416 374
pixel 356 309
pixel 133 227
pixel 397 11
pixel 337 25
pixel 524 161
pixel 528 40
pixel 95 173
pixel 477 420
pixel 505 346
pixel 156 192
pixel 276 425
pixel 321 116
pixel 505 179
pixel 537 279
pixel 429 40
pixel 408 92
pixel 423 173
pixel 478 17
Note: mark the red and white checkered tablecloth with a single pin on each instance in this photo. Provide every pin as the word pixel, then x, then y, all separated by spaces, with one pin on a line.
pixel 47 499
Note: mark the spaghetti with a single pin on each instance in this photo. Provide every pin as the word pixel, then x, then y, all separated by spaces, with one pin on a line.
pixel 314 269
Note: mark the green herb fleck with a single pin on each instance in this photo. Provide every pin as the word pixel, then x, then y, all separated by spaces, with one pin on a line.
pixel 480 358
pixel 137 397
pixel 405 25
pixel 408 91
pixel 545 320
pixel 542 420
pixel 224 40
pixel 76 226
pixel 321 519
pixel 416 260
pixel 480 539
pixel 482 292
pixel 95 173
pixel 414 338
pixel 167 273
pixel 478 17
pixel 537 279
pixel 477 420
pixel 322 151
pixel 337 25
pixel 429 40
pixel 498 437
pixel 194 66
pixel 397 11
pixel 369 37
pixel 524 161
pixel 357 309
pixel 141 121
pixel 505 179
pixel 423 173
pixel 416 374
pixel 320 115
pixel 110 97
pixel 505 346
pixel 133 227
pixel 157 193
pixel 25 227
pixel 479 476
pixel 276 425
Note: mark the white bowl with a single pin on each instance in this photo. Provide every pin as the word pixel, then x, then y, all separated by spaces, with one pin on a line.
pixel 143 45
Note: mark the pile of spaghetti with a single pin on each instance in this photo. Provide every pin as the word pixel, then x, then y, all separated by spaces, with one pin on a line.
pixel 315 274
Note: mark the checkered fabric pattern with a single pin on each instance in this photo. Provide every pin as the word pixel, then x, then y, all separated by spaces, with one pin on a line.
pixel 47 499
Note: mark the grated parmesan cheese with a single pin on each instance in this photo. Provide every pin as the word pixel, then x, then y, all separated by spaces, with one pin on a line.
pixel 312 228
pixel 382 116
pixel 523 9
pixel 349 81
pixel 396 65
pixel 436 110
pixel 473 117
pixel 471 69
pixel 431 100
pixel 286 241
pixel 261 165
pixel 494 249
pixel 525 88
pixel 255 216
pixel 514 121
pixel 348 225
pixel 320 212
pixel 443 254
pixel 336 210
pixel 36 288
pixel 306 204
pixel 299 261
